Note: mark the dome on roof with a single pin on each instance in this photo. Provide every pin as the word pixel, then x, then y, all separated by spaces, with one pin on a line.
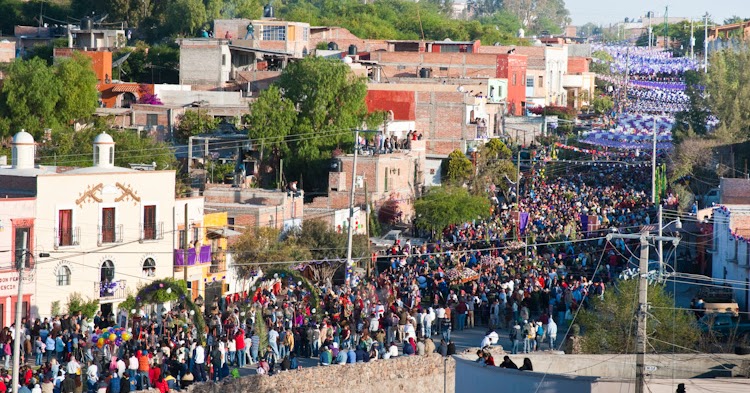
pixel 103 138
pixel 23 137
pixel 347 60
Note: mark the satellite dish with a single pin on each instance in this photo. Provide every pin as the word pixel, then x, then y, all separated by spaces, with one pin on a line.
pixel 460 89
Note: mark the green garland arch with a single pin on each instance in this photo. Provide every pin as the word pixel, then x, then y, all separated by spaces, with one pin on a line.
pixel 157 292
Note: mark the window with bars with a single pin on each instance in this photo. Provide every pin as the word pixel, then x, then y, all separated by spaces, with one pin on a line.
pixel 274 33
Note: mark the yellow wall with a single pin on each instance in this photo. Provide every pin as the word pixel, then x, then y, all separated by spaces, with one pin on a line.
pixel 214 221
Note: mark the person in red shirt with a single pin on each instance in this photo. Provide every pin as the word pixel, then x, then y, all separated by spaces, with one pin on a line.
pixel 162 385
pixel 239 339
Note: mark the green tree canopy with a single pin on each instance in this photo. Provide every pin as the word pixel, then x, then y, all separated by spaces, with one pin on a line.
pixel 330 103
pixel 460 167
pixel 271 119
pixel 194 123
pixel 36 96
pixel 609 325
pixel 75 148
pixel 443 206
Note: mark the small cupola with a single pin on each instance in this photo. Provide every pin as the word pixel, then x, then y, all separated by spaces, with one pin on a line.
pixel 104 151
pixel 23 150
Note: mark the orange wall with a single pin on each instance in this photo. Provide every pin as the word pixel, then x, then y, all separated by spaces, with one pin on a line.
pixel 402 103
pixel 513 68
pixel 101 61
pixel 577 65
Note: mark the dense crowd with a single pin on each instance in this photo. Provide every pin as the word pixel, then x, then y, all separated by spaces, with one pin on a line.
pixel 522 271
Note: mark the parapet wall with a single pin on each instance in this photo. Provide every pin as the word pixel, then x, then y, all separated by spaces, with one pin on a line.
pixel 413 374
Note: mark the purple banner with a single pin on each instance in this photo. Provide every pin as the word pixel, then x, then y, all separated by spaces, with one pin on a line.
pixel 203 256
pixel 523 221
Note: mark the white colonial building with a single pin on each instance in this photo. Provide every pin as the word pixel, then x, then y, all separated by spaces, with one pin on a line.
pixel 107 229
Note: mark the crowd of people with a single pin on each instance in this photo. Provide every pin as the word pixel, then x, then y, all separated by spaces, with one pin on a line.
pixel 521 272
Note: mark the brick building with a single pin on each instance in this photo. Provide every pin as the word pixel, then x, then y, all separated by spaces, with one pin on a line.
pixel 449 113
pixel 254 207
pixel 391 180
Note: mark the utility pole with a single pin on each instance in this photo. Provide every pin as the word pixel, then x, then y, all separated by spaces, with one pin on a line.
pixel 666 28
pixel 692 40
pixel 642 311
pixel 20 265
pixel 349 262
pixel 653 166
pixel 650 30
pixel 641 332
pixel 705 45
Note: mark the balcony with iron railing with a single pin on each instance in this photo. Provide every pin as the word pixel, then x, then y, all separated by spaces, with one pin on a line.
pixel 152 231
pixel 109 234
pixel 110 290
pixel 67 237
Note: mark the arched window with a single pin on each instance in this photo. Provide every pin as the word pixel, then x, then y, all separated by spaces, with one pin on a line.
pixel 149 268
pixel 63 276
pixel 96 155
pixel 111 155
pixel 107 271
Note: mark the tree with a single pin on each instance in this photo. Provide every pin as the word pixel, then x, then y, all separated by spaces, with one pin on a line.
pixel 87 307
pixel 330 102
pixel 185 17
pixel 725 83
pixel 602 104
pixel 326 243
pixel 609 325
pixel 30 94
pixel 495 149
pixel 460 168
pixel 75 148
pixel 263 247
pixel 271 119
pixel 78 96
pixel 194 123
pixel 443 206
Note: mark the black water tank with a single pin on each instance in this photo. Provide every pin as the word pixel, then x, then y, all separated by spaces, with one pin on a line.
pixel 268 11
pixel 87 23
pixel 336 165
pixel 352 50
pixel 333 46
pixel 425 72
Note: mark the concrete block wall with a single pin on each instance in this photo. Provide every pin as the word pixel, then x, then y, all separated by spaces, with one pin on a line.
pixel 412 374
pixel 201 65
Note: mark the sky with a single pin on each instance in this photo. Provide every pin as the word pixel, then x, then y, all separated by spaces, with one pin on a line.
pixel 612 11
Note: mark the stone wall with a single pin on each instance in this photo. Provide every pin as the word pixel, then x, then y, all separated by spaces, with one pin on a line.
pixel 413 374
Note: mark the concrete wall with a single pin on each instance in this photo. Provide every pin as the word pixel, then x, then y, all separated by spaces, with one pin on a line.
pixel 443 65
pixel 412 374
pixel 732 257
pixel 343 38
pixel 204 62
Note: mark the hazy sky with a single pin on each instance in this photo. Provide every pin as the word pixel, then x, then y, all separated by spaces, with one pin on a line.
pixel 610 11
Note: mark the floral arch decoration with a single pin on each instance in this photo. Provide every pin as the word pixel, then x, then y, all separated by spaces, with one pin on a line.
pixel 167 290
